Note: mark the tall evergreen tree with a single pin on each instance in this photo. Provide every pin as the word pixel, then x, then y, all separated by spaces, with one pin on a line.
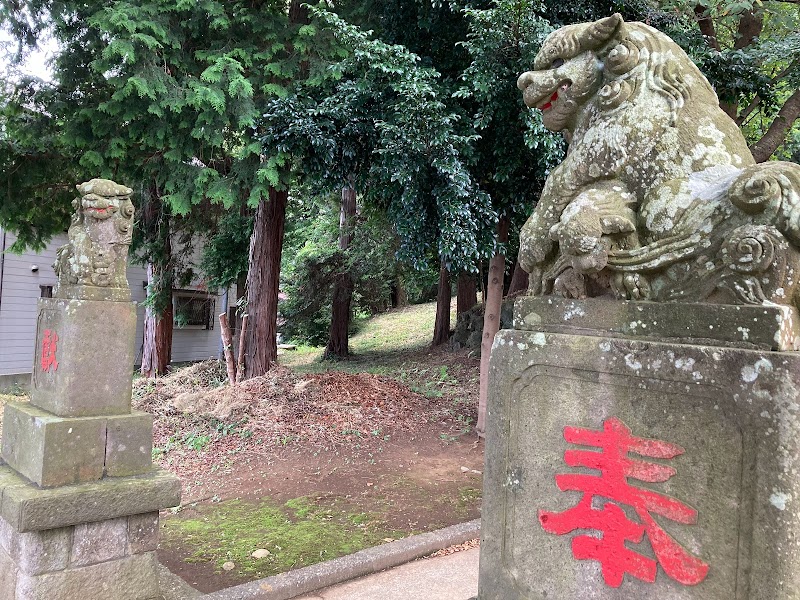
pixel 378 126
pixel 162 95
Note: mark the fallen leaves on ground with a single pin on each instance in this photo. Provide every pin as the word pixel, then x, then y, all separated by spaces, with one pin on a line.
pixel 196 409
pixel 468 545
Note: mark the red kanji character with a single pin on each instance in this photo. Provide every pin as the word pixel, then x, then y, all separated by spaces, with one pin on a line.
pixel 616 559
pixel 49 348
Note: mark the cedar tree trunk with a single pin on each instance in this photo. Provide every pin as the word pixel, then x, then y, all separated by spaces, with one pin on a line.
pixel 441 329
pixel 263 279
pixel 399 293
pixel 263 275
pixel 343 287
pixel 157 342
pixel 491 320
pixel 519 280
pixel 466 297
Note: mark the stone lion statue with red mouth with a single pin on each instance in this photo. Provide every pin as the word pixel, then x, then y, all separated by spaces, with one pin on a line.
pixel 92 265
pixel 658 197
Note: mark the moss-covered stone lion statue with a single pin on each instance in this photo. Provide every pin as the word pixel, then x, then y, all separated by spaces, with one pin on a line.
pixel 658 197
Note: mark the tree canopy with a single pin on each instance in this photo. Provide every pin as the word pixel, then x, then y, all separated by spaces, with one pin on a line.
pixel 156 93
pixel 380 124
pixel 750 51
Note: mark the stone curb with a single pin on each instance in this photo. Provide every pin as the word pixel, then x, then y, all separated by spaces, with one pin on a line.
pixel 372 560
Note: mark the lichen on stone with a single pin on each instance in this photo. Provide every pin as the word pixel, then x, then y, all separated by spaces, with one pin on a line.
pixel 92 265
pixel 658 197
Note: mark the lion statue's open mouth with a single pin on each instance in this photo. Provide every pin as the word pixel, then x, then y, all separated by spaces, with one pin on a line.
pixel 659 197
pixel 99 207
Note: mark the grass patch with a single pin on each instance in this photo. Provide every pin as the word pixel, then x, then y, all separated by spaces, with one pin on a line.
pixel 400 330
pixel 467 497
pixel 302 532
pixel 406 328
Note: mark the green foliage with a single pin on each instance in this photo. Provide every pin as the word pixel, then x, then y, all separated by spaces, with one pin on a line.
pixel 514 152
pixel 378 123
pixel 146 92
pixel 39 175
pixel 421 285
pixel 313 261
pixel 430 29
pixel 225 253
pixel 308 275
pixel 579 11
pixel 196 441
pixel 755 77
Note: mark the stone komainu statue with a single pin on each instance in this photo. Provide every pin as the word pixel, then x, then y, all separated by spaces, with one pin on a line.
pixel 658 197
pixel 92 265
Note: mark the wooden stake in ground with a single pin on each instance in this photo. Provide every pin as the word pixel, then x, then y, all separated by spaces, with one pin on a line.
pixel 227 344
pixel 242 349
pixel 491 319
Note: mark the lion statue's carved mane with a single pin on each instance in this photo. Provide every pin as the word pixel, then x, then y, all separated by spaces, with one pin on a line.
pixel 658 196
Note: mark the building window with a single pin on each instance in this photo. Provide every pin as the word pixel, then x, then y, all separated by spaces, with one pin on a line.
pixel 193 310
pixel 45 291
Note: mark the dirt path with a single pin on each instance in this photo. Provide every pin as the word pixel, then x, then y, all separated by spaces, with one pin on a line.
pixel 417 482
pixel 299 467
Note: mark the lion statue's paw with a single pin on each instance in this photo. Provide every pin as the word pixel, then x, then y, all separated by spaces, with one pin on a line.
pixel 631 286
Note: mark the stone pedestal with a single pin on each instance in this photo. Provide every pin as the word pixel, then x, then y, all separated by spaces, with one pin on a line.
pixel 639 450
pixel 79 495
pixel 78 426
pixel 93 540
pixel 84 356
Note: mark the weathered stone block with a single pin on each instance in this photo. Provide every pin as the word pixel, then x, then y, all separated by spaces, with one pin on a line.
pixel 7 539
pixel 743 326
pixel 717 457
pixel 28 508
pixel 143 533
pixel 40 552
pixel 83 363
pixel 9 480
pixel 97 542
pixel 129 444
pixel 8 576
pixel 51 450
pixel 130 578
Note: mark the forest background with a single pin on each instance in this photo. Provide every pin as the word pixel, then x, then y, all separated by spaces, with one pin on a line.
pixel 349 156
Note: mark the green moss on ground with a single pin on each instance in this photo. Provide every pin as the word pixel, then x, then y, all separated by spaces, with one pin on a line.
pixel 301 532
pixel 468 496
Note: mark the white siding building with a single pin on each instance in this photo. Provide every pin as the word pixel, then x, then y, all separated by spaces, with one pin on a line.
pixel 24 278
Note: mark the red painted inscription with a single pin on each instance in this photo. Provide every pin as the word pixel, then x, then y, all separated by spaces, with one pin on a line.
pixel 49 348
pixel 610 549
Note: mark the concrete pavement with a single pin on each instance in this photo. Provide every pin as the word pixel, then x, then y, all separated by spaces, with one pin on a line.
pixel 451 577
